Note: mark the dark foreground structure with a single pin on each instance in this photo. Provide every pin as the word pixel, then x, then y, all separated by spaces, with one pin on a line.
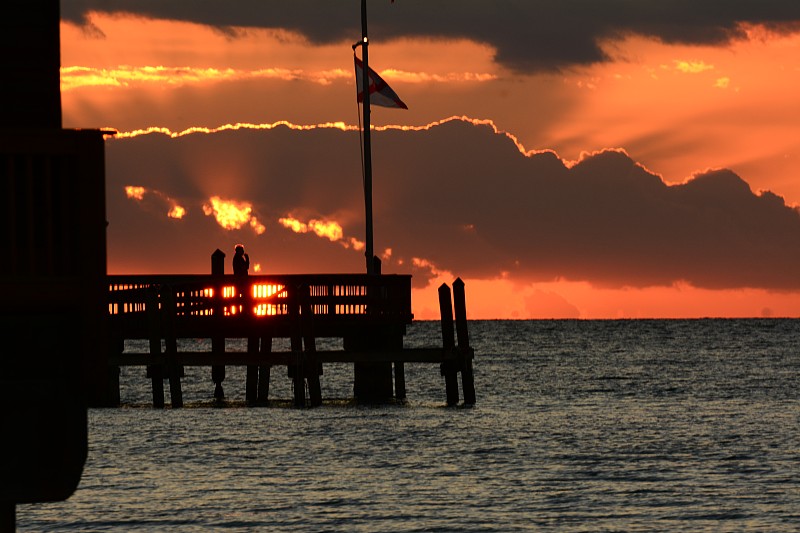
pixel 52 273
pixel 368 312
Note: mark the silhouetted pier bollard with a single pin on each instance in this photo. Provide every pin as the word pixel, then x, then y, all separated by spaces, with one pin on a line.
pixel 217 342
pixel 462 334
pixel 449 368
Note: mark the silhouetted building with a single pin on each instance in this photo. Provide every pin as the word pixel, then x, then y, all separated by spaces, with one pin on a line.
pixel 52 267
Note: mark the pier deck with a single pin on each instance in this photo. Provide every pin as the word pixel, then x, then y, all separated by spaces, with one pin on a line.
pixel 368 312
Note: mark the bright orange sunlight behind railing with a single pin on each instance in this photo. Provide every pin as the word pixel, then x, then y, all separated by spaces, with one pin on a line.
pixel 264 290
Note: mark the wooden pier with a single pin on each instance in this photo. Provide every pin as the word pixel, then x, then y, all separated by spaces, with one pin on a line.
pixel 369 312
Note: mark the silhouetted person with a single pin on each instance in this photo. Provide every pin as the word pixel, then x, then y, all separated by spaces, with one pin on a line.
pixel 241 264
pixel 241 261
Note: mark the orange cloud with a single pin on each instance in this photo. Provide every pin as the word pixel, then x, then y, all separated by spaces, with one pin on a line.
pixel 137 192
pixel 232 215
pixel 326 229
pixel 176 212
pixel 76 77
pixel 692 67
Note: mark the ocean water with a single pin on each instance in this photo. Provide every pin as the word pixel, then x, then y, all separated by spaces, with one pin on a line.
pixel 579 426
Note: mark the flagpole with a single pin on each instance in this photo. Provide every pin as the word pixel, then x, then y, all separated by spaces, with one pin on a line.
pixel 369 252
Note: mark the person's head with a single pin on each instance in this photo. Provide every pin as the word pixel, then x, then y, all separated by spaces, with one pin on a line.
pixel 239 249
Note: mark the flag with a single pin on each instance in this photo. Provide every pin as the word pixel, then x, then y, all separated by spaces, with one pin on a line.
pixel 379 91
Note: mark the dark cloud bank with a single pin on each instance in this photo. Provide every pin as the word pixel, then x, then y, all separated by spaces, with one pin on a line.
pixel 535 35
pixel 457 195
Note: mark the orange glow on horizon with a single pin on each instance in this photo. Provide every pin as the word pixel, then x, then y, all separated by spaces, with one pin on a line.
pixel 509 300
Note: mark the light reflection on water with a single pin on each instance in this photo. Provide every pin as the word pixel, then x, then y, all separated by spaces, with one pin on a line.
pixel 579 426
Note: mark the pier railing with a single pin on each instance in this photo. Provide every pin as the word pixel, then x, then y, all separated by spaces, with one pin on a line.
pixel 199 302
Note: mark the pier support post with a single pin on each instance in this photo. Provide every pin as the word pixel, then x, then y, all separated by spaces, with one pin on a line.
pixel 399 380
pixel 8 516
pixel 296 340
pixel 372 381
pixel 449 368
pixel 462 334
pixel 218 343
pixel 115 348
pixel 155 371
pixel 311 367
pixel 173 370
pixel 296 371
pixel 251 382
pixel 264 372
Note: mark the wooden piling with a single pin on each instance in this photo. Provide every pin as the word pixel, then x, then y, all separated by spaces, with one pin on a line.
pixel 218 343
pixel 264 372
pixel 462 334
pixel 251 381
pixel 8 516
pixel 449 369
pixel 173 371
pixel 372 380
pixel 116 348
pixel 311 367
pixel 296 370
pixel 399 380
pixel 155 372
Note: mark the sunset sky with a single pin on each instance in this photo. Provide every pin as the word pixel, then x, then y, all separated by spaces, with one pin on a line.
pixel 567 159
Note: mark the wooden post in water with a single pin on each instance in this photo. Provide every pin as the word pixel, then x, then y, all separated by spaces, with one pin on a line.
pixel 449 369
pixel 296 369
pixel 264 372
pixel 155 372
pixel 218 343
pixel 372 380
pixel 462 334
pixel 399 366
pixel 173 370
pixel 251 382
pixel 116 347
pixel 399 380
pixel 311 367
